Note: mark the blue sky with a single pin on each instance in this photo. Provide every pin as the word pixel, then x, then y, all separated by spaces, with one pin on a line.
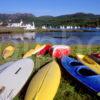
pixel 50 7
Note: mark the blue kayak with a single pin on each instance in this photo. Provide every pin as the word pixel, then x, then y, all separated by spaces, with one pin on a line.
pixel 82 73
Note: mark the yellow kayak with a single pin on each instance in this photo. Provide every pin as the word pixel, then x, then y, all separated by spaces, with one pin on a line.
pixel 45 83
pixel 8 51
pixel 89 63
pixel 33 51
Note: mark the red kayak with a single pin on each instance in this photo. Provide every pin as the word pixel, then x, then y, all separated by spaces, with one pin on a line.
pixel 59 51
pixel 96 57
pixel 45 50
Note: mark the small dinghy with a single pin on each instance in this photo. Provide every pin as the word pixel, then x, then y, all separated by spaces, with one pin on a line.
pixel 8 52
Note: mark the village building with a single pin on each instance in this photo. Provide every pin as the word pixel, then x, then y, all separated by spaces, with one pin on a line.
pixel 44 27
pixel 30 26
pixel 1 23
pixel 22 25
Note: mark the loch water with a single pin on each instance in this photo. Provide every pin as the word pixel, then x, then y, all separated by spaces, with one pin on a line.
pixel 69 38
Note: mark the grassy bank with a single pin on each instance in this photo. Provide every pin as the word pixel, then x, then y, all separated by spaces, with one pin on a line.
pixel 69 88
pixel 11 30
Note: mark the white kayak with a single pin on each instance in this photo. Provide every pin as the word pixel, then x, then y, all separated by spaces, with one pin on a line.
pixel 6 65
pixel 14 78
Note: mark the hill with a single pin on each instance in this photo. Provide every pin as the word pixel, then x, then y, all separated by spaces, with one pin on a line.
pixel 78 19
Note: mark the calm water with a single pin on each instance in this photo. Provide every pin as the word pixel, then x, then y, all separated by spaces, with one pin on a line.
pixel 54 37
pixel 69 38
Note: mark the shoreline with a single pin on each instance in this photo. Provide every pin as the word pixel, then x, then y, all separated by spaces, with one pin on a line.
pixel 21 30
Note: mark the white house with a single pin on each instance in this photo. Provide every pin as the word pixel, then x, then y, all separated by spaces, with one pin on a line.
pixel 44 27
pixel 62 27
pixel 1 23
pixel 79 27
pixel 22 25
pixel 71 27
pixel 29 26
pixel 15 24
pixel 68 27
pixel 75 27
pixel 50 27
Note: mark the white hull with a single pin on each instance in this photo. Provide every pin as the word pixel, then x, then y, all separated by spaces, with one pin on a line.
pixel 14 78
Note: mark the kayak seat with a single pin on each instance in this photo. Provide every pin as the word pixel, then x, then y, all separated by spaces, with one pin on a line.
pixel 85 72
pixel 76 64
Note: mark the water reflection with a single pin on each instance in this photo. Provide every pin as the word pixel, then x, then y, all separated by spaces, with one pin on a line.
pixel 69 38
pixel 17 37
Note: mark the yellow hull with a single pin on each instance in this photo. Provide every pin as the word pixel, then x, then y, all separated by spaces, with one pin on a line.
pixel 33 51
pixel 8 51
pixel 45 83
pixel 89 63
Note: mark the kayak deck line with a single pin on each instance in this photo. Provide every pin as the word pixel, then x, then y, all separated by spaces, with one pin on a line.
pixel 45 83
pixel 10 93
pixel 42 82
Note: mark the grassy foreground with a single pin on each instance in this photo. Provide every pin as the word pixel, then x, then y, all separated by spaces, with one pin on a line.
pixel 69 88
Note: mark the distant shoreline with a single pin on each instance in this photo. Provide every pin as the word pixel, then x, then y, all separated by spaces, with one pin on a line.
pixel 21 30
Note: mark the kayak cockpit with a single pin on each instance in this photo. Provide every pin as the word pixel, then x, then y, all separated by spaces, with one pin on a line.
pixel 86 72
pixel 76 64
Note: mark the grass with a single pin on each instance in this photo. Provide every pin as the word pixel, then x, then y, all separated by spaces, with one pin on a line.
pixel 69 89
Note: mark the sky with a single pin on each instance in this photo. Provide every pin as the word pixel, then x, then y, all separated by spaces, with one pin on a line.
pixel 50 7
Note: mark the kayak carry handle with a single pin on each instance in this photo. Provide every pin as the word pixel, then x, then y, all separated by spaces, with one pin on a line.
pixel 18 70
